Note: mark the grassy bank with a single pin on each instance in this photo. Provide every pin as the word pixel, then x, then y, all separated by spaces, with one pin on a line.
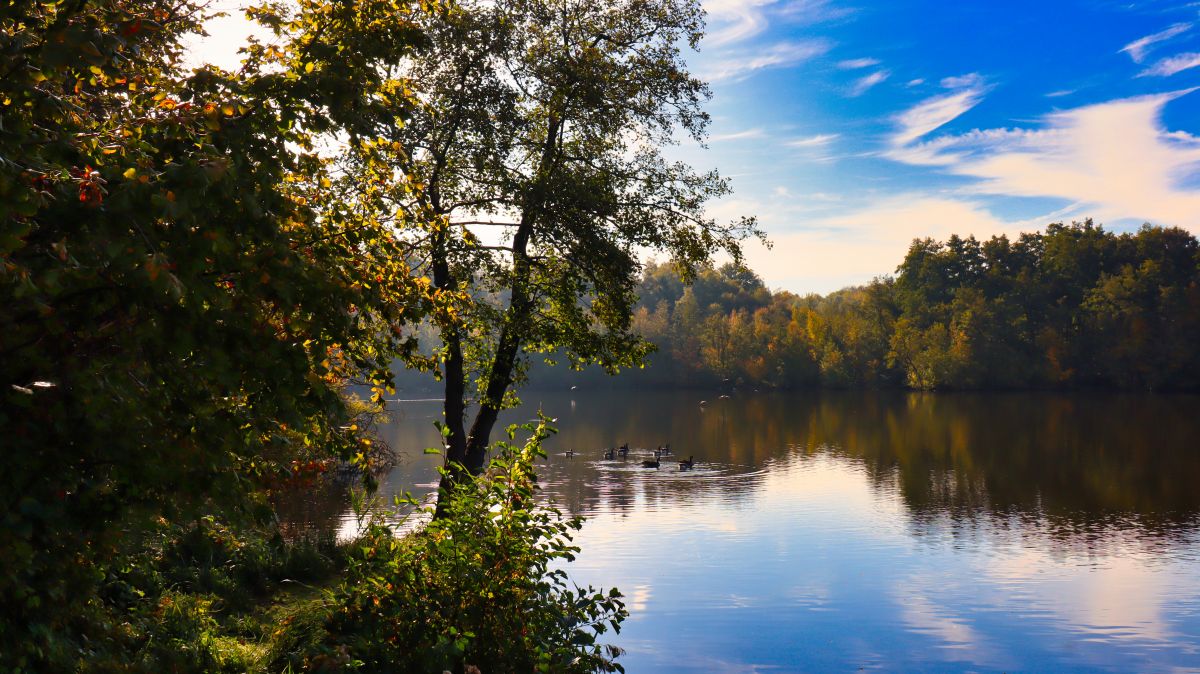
pixel 479 590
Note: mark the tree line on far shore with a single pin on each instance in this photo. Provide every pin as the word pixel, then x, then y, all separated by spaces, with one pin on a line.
pixel 1074 306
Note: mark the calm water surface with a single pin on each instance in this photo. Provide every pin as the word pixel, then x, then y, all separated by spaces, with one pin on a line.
pixel 892 532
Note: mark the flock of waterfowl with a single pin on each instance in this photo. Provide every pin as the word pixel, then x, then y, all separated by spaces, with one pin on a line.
pixel 622 452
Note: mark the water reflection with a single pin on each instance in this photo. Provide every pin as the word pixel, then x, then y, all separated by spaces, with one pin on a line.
pixel 1082 464
pixel 893 531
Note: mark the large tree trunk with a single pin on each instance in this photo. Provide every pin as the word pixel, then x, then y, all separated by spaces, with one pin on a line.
pixel 468 459
pixel 453 405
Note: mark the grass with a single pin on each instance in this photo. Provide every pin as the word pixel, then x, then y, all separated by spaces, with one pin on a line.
pixel 207 598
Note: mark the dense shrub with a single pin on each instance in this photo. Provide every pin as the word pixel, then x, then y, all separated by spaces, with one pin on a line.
pixel 201 598
pixel 479 587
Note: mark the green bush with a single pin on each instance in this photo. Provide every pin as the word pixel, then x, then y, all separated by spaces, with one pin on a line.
pixel 201 598
pixel 239 565
pixel 477 587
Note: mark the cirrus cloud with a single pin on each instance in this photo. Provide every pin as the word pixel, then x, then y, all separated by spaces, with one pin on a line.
pixel 855 64
pixel 1138 49
pixel 864 84
pixel 933 113
pixel 1174 64
pixel 737 65
pixel 1114 158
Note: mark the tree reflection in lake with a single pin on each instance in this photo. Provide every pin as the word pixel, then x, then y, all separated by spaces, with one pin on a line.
pixel 893 530
pixel 1080 463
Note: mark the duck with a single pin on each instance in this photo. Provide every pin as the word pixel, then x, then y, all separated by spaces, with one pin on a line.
pixel 687 464
pixel 570 453
pixel 650 464
pixel 610 454
pixel 623 450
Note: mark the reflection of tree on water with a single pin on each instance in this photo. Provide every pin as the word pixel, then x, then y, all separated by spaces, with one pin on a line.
pixel 1078 466
pixel 1075 467
pixel 316 507
pixel 317 502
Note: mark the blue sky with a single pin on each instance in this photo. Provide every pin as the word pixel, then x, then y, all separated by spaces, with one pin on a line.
pixel 849 128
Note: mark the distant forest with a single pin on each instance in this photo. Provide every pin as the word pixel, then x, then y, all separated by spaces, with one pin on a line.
pixel 1072 307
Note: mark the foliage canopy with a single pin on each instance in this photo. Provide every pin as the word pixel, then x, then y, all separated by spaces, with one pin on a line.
pixel 186 283
pixel 538 151
pixel 1073 306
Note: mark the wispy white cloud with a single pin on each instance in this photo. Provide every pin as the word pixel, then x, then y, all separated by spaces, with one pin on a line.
pixel 739 64
pixel 968 81
pixel 855 64
pixel 738 135
pixel 1114 158
pixel 900 218
pixel 812 11
pixel 864 84
pixel 915 83
pixel 951 150
pixel 1113 161
pixel 734 21
pixel 735 45
pixel 819 140
pixel 932 113
pixel 1138 49
pixel 1060 93
pixel 1169 66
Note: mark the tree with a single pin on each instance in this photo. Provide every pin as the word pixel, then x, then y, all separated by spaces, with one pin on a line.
pixel 185 289
pixel 537 149
pixel 1075 306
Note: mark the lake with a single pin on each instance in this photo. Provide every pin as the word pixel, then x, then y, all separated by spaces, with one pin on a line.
pixel 874 531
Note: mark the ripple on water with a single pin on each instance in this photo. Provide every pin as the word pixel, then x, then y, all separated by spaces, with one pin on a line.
pixel 896 532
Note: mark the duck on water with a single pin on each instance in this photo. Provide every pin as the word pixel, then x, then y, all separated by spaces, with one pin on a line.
pixel 612 453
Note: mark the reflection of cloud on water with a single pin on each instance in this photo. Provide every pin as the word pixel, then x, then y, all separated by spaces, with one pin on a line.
pixel 953 632
pixel 698 663
pixel 813 595
pixel 1117 598
pixel 675 658
pixel 638 597
pixel 898 532
pixel 724 526
pixel 923 616
pixel 832 492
